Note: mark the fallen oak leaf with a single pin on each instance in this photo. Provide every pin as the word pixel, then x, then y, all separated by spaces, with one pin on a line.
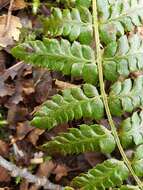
pixel 13 32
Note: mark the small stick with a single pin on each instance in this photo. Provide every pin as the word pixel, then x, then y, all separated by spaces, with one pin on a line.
pixel 23 173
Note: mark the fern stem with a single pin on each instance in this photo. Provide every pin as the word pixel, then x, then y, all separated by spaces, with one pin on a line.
pixel 104 96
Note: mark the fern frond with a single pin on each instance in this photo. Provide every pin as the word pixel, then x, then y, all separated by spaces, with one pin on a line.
pixel 85 3
pixel 123 57
pixel 85 139
pixel 126 96
pixel 110 173
pixel 76 59
pixel 74 103
pixel 74 24
pixel 131 130
pixel 137 162
pixel 118 17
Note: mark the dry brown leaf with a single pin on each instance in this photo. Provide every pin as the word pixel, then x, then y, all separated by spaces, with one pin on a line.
pixel 4 175
pixel 61 170
pixel 34 135
pixel 13 32
pixel 22 129
pixel 64 85
pixel 18 4
pixel 46 168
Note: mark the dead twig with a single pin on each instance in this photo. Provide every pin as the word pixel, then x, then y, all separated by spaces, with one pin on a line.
pixel 23 173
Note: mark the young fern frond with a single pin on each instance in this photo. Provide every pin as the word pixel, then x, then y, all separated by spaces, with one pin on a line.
pixel 118 17
pixel 123 57
pixel 85 139
pixel 74 24
pixel 131 130
pixel 74 103
pixel 126 96
pixel 76 60
pixel 110 173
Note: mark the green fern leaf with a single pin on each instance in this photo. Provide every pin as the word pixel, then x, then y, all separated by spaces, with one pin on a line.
pixel 126 96
pixel 76 60
pixel 110 173
pixel 123 57
pixel 85 3
pixel 131 130
pixel 74 24
pixel 74 103
pixel 118 17
pixel 85 139
pixel 137 162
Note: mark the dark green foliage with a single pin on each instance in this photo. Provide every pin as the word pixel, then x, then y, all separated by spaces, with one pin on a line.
pixel 74 103
pixel 110 173
pixel 126 96
pixel 131 130
pixel 118 17
pixel 123 57
pixel 137 162
pixel 87 138
pixel 73 24
pixel 76 60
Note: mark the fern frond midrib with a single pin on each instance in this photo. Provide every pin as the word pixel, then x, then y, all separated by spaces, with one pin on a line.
pixel 66 106
pixel 124 15
pixel 73 59
pixel 74 22
pixel 85 140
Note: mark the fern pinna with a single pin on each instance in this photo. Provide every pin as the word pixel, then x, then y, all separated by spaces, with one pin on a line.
pixel 98 42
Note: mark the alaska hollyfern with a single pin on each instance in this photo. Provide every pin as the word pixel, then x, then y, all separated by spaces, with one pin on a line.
pixel 95 41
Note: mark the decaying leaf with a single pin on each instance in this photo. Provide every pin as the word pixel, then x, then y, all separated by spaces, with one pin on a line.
pixel 34 135
pixel 4 175
pixel 61 170
pixel 8 37
pixel 18 4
